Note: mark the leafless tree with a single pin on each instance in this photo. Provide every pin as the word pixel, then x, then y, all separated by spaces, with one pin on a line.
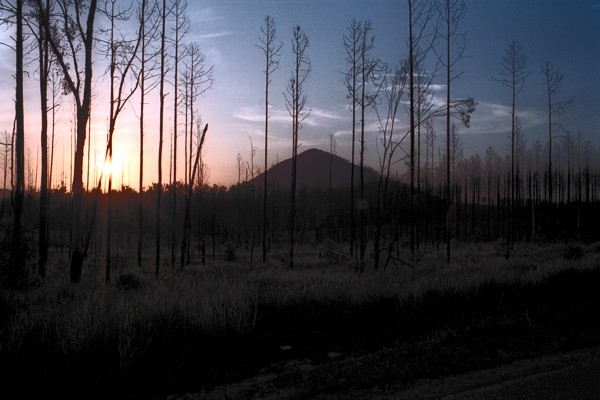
pixel 395 86
pixel 512 75
pixel 122 52
pixel 295 101
pixel 552 82
pixel 55 92
pixel 163 33
pixel 12 13
pixel 421 39
pixel 451 13
pixel 352 47
pixel 41 46
pixel 186 223
pixel 197 79
pixel 270 49
pixel 148 23
pixel 180 30
pixel 370 76
pixel 74 34
pixel 16 270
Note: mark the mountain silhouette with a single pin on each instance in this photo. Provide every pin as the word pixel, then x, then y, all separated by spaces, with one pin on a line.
pixel 313 172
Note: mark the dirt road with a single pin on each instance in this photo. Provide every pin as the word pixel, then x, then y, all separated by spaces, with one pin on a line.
pixel 573 375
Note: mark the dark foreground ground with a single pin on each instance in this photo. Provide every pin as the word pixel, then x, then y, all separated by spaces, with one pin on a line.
pixel 560 376
pixel 226 333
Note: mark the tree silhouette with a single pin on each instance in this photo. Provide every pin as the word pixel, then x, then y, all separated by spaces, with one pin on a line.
pixel 370 75
pixel 512 75
pixel 270 50
pixel 122 53
pixel 181 28
pixel 352 46
pixel 552 82
pixel 148 23
pixel 75 36
pixel 16 267
pixel 163 21
pixel 396 86
pixel 295 101
pixel 451 13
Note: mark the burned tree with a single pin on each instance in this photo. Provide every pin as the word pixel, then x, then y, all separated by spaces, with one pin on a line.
pixel 270 50
pixel 295 101
pixel 512 75
pixel 75 21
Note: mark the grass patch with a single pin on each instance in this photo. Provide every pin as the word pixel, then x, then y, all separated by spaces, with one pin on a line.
pixel 215 324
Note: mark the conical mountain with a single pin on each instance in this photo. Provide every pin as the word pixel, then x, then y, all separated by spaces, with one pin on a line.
pixel 313 172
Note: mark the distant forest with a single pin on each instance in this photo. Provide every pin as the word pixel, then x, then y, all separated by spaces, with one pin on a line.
pixel 424 193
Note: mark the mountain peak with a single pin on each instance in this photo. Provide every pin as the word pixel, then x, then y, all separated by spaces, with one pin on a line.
pixel 313 167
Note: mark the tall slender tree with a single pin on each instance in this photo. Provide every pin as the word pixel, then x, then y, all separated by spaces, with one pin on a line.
pixel 270 49
pixel 161 117
pixel 451 13
pixel 421 38
pixel 180 29
pixel 512 75
pixel 36 26
pixel 352 47
pixel 197 80
pixel 370 76
pixel 553 84
pixel 122 52
pixel 395 83
pixel 75 35
pixel 186 223
pixel 148 23
pixel 16 272
pixel 295 101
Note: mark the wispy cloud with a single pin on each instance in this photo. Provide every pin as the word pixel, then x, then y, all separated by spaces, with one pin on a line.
pixel 327 114
pixel 257 114
pixel 493 118
pixel 214 35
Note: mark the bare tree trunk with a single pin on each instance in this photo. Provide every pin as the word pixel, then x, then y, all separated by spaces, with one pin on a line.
pixel 142 100
pixel 295 103
pixel 186 220
pixel 448 83
pixel 160 131
pixel 16 270
pixel 179 26
pixel 411 58
pixel 44 61
pixel 352 45
pixel 271 52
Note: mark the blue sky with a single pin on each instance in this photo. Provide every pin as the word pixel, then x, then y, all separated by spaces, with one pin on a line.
pixel 563 32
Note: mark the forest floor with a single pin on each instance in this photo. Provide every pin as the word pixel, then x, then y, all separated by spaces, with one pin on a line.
pixel 235 329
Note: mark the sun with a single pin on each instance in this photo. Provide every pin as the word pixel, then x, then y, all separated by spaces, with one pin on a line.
pixel 106 168
pixel 110 168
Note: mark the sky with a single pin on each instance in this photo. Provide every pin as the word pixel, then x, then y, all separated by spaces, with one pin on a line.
pixel 563 32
